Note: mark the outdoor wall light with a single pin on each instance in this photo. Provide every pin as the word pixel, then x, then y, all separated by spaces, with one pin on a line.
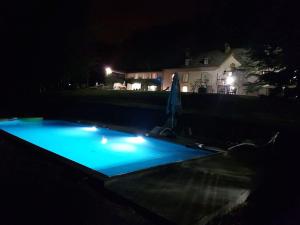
pixel 230 80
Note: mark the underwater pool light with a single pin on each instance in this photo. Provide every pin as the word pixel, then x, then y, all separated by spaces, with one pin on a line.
pixel 93 128
pixel 135 140
pixel 104 140
pixel 122 147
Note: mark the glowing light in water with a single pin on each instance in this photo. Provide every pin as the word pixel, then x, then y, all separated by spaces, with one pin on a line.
pixel 89 128
pixel 121 147
pixel 104 140
pixel 135 140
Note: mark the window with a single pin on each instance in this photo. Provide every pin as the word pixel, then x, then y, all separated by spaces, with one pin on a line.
pixel 205 61
pixel 185 78
pixel 147 76
pixel 136 86
pixel 188 62
pixel 184 88
pixel 154 75
pixel 152 88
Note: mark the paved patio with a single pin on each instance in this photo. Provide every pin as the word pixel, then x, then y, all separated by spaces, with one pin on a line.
pixel 191 192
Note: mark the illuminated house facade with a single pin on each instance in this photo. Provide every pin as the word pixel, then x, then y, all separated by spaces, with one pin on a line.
pixel 210 72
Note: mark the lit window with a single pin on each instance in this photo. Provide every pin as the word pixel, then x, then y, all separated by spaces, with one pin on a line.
pixel 118 86
pixel 205 61
pixel 185 78
pixel 136 86
pixel 152 88
pixel 154 75
pixel 185 89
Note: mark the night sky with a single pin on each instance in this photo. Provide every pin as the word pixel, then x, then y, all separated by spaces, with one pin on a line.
pixel 42 41
pixel 117 20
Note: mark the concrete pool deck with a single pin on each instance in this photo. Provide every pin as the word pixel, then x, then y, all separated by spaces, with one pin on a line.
pixel 192 192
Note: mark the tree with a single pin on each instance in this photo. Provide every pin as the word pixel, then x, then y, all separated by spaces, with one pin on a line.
pixel 272 65
pixel 275 45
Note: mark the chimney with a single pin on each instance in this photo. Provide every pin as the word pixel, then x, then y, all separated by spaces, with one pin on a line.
pixel 188 59
pixel 227 48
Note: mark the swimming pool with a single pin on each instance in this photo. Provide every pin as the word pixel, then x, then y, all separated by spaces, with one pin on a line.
pixel 106 151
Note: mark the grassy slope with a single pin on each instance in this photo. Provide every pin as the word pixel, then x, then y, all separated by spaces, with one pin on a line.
pixel 219 105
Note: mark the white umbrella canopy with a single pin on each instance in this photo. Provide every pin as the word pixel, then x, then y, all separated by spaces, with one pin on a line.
pixel 174 100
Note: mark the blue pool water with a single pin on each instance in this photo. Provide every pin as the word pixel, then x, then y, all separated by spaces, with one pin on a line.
pixel 107 151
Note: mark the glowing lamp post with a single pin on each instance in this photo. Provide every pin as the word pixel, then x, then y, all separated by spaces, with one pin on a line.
pixel 108 71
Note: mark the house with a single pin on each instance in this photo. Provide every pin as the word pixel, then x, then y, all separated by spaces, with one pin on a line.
pixel 214 72
pixel 210 72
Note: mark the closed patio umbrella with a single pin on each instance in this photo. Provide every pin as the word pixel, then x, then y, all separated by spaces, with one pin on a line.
pixel 174 100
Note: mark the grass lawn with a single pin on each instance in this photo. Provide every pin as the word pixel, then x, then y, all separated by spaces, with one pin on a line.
pixel 224 117
pixel 222 105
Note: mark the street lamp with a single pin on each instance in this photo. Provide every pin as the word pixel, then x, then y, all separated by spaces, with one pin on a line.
pixel 117 77
pixel 109 71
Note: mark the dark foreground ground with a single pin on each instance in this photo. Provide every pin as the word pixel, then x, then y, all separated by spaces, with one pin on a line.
pixel 40 191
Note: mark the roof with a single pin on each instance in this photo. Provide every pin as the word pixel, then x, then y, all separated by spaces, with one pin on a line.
pixel 217 57
pixel 152 71
pixel 198 68
pixel 241 55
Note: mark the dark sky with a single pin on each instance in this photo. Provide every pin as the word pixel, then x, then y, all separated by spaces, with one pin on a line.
pixel 116 20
